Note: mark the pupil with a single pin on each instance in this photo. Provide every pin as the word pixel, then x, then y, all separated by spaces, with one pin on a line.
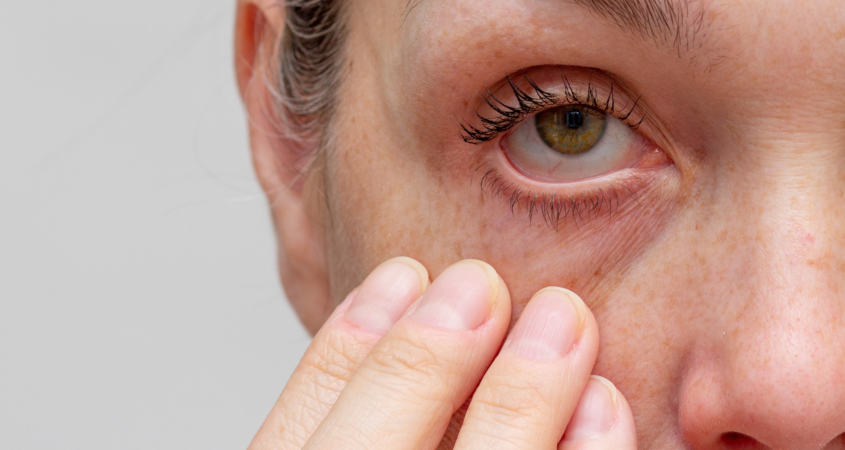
pixel 574 119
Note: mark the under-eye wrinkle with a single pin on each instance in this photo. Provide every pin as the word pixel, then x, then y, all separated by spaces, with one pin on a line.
pixel 569 155
pixel 556 209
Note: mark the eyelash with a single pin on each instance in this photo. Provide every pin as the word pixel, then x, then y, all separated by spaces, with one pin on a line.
pixel 553 208
pixel 556 208
pixel 506 116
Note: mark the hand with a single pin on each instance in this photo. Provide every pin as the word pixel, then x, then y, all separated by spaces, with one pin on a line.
pixel 398 358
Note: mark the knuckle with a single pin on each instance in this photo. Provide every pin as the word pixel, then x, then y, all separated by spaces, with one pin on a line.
pixel 351 435
pixel 405 363
pixel 510 399
pixel 296 425
pixel 336 357
pixel 324 372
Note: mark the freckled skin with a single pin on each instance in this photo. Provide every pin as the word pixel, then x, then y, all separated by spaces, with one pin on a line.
pixel 719 293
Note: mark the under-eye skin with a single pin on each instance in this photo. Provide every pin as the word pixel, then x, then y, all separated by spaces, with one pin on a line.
pixel 564 156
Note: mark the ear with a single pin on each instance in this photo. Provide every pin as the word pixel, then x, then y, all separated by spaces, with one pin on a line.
pixel 276 157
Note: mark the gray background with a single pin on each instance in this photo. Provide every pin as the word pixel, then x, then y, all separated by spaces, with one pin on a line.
pixel 139 304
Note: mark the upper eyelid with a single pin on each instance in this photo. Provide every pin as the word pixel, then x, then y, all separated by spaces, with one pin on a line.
pixel 507 116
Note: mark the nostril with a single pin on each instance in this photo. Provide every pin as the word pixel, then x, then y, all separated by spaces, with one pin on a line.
pixel 738 441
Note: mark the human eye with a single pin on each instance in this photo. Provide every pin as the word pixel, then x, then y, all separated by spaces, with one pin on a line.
pixel 573 149
pixel 572 143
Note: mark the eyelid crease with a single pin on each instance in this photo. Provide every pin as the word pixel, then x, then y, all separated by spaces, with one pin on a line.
pixel 506 116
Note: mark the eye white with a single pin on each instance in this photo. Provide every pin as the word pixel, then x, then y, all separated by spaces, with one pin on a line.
pixel 616 150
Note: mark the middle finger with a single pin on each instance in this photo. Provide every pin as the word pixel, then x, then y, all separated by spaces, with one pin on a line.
pixel 527 397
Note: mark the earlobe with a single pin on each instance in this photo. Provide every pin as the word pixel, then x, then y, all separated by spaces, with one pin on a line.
pixel 275 157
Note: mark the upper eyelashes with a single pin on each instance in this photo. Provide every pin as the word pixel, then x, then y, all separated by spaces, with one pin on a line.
pixel 535 100
pixel 566 150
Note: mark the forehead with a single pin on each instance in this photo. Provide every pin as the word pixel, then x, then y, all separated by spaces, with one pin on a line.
pixel 703 35
pixel 675 24
pixel 691 60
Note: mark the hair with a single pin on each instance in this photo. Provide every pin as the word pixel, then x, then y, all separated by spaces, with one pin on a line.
pixel 311 56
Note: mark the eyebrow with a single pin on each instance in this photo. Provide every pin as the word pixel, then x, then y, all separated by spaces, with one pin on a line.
pixel 677 23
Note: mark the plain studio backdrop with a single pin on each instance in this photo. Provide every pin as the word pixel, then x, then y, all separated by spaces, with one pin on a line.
pixel 139 303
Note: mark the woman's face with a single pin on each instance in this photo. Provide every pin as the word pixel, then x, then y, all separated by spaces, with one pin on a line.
pixel 696 204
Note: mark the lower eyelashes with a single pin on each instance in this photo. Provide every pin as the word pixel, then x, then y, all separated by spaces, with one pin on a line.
pixel 568 157
pixel 557 209
pixel 565 145
pixel 570 203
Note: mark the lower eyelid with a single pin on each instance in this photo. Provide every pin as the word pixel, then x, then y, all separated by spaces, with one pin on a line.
pixel 578 202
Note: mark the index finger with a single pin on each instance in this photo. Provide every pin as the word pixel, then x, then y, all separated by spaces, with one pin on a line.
pixel 337 350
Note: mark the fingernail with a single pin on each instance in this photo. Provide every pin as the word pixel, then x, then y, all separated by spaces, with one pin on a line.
pixel 386 293
pixel 548 327
pixel 595 412
pixel 459 298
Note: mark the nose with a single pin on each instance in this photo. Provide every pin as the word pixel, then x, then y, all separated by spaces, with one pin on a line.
pixel 780 387
pixel 770 370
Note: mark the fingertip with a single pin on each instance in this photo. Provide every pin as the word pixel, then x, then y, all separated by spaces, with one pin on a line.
pixel 580 307
pixel 493 278
pixel 501 299
pixel 425 280
pixel 611 389
pixel 602 420
pixel 386 293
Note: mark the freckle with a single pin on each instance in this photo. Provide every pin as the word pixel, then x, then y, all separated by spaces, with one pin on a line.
pixel 458 250
pixel 636 290
pixel 569 283
pixel 699 154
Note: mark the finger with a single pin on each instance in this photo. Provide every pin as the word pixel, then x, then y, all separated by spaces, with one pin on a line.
pixel 337 350
pixel 602 421
pixel 529 393
pixel 420 373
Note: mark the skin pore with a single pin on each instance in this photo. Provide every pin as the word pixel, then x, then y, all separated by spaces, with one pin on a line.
pixel 711 268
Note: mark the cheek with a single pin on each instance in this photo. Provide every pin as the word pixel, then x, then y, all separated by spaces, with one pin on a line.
pixel 394 188
pixel 383 206
pixel 385 203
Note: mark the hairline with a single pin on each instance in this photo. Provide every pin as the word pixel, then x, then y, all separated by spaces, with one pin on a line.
pixel 311 57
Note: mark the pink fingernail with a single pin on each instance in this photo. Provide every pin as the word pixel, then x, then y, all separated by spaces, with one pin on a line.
pixel 385 295
pixel 548 327
pixel 595 411
pixel 459 298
